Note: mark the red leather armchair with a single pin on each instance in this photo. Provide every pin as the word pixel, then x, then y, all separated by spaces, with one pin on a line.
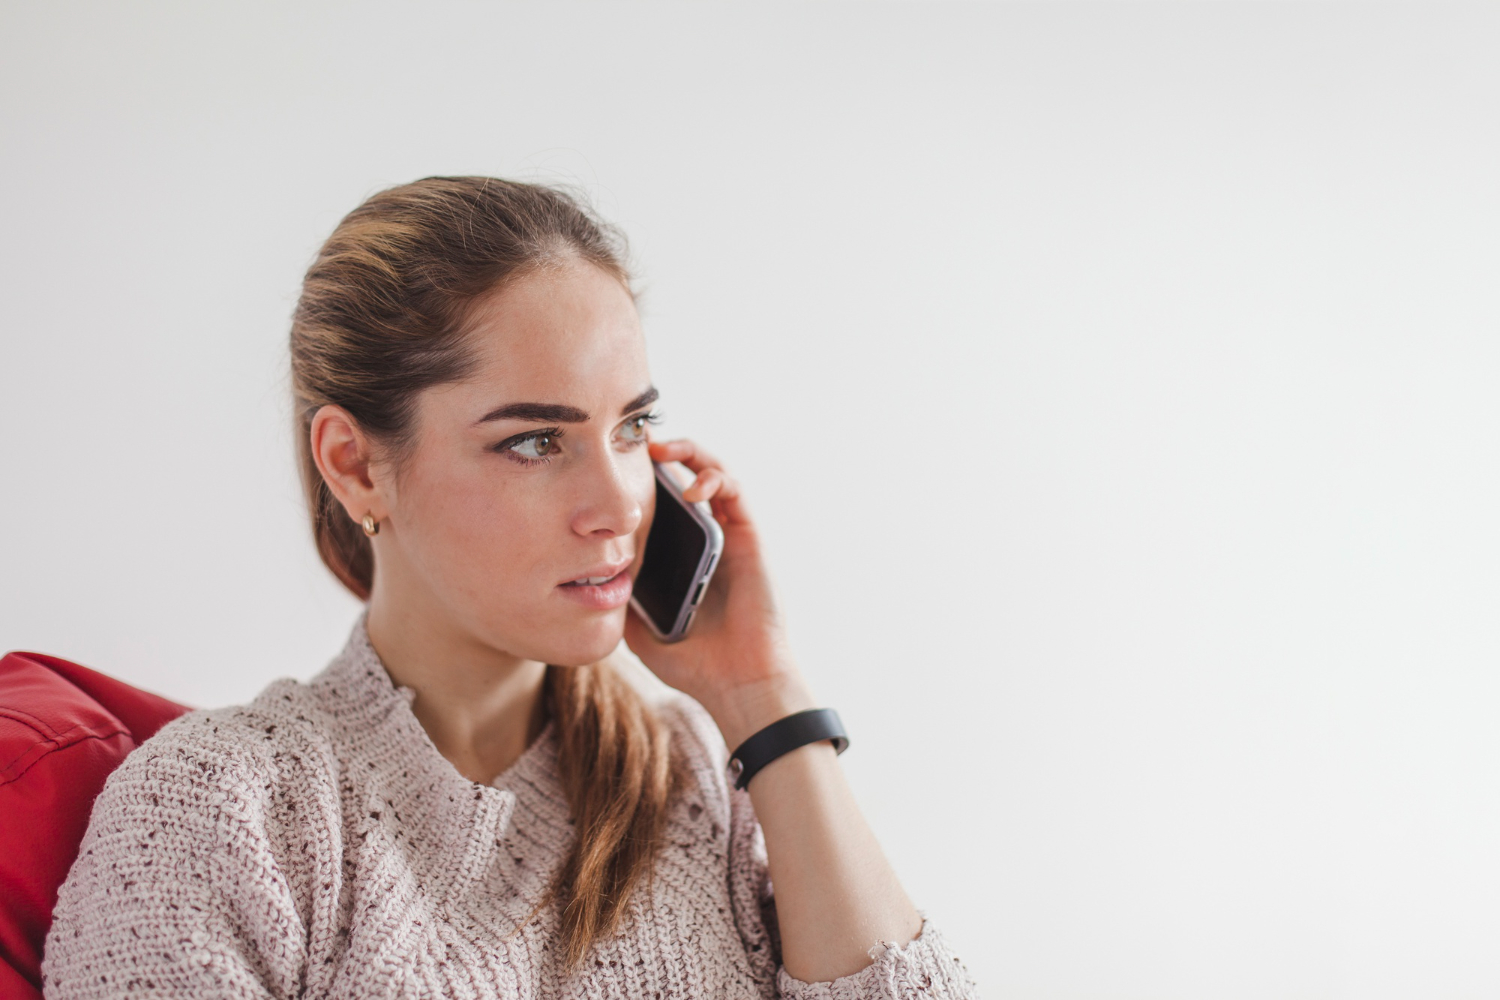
pixel 63 729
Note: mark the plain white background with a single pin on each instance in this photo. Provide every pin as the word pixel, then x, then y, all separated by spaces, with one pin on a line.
pixel 1116 386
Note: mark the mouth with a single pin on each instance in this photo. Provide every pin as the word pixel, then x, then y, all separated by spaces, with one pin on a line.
pixel 602 588
pixel 590 581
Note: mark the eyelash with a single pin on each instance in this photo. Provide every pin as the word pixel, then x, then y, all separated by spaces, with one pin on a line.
pixel 652 418
pixel 507 447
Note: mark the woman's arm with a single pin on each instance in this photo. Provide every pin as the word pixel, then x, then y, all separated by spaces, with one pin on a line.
pixel 836 895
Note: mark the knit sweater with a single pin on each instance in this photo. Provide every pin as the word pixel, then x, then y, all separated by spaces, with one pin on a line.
pixel 315 843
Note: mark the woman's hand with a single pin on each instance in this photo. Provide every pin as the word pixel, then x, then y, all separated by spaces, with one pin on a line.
pixel 735 662
pixel 835 893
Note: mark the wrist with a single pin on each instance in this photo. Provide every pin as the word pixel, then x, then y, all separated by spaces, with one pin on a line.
pixel 746 709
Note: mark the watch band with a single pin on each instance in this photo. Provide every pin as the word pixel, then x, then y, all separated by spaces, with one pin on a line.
pixel 785 735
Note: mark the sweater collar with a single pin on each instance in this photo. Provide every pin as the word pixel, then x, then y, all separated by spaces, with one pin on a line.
pixel 413 792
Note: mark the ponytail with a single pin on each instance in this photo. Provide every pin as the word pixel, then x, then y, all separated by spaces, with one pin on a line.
pixel 617 775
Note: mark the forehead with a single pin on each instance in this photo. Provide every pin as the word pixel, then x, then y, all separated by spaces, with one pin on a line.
pixel 563 334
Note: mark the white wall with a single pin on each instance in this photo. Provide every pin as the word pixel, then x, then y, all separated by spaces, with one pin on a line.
pixel 1116 385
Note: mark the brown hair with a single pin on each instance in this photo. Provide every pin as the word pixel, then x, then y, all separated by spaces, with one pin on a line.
pixel 380 319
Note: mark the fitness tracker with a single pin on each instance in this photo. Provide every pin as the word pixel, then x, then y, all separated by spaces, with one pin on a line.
pixel 784 736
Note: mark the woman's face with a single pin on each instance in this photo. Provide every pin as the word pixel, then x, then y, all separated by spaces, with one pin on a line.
pixel 520 512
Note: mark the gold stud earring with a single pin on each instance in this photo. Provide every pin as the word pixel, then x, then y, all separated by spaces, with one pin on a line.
pixel 371 526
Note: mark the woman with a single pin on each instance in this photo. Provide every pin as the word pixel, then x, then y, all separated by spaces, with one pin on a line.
pixel 472 800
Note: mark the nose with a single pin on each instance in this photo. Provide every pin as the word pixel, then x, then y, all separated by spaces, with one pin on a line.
pixel 610 503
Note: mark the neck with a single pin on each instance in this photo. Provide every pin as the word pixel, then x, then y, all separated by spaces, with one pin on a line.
pixel 480 707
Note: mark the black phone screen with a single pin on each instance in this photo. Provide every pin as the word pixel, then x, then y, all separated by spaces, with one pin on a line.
pixel 674 548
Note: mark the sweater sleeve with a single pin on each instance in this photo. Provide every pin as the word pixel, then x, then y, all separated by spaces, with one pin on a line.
pixel 923 967
pixel 177 891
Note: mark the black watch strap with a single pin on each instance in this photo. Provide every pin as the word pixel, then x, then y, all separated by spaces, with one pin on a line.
pixel 785 735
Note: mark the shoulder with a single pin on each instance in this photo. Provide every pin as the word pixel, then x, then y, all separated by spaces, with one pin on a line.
pixel 694 730
pixel 196 858
pixel 224 742
pixel 216 766
pixel 228 807
pixel 702 764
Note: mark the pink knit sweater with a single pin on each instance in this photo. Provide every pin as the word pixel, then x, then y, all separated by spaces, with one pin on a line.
pixel 314 843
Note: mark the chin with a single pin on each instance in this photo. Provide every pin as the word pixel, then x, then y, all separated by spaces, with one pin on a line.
pixel 587 643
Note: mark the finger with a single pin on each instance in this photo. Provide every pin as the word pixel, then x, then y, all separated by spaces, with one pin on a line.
pixel 686 452
pixel 708 483
pixel 728 505
pixel 723 494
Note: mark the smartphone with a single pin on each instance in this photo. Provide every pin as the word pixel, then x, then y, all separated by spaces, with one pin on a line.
pixel 681 553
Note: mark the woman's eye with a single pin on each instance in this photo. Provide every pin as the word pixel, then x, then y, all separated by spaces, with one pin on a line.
pixel 536 448
pixel 634 430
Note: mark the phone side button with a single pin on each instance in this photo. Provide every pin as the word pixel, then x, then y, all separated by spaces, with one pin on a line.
pixel 698 596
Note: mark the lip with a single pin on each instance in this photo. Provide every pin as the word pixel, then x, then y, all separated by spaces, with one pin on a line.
pixel 599 569
pixel 612 593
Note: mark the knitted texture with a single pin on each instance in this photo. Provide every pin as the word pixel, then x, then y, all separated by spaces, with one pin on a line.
pixel 314 843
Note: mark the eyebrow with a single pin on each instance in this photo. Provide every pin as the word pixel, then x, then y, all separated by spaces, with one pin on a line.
pixel 561 413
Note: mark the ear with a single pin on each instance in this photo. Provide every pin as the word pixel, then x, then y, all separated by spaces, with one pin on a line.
pixel 342 452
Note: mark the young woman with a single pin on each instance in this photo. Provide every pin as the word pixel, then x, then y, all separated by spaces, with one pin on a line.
pixel 473 800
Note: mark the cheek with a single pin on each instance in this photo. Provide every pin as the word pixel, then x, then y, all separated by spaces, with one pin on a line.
pixel 470 526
